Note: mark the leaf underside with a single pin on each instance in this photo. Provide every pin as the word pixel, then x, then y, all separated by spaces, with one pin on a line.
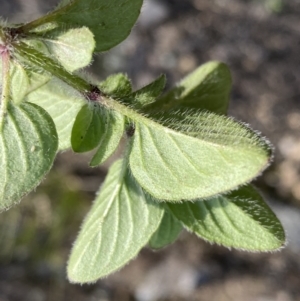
pixel 120 223
pixel 61 102
pixel 192 155
pixel 28 146
pixel 73 49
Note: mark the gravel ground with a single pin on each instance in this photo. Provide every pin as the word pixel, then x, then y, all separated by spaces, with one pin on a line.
pixel 260 41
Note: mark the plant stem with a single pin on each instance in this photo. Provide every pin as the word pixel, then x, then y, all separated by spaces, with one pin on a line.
pixel 132 114
pixel 41 61
pixel 5 56
pixel 89 91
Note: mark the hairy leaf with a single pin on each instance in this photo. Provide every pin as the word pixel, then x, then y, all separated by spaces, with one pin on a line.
pixel 28 145
pixel 116 85
pixel 19 82
pixel 73 49
pixel 60 101
pixel 120 223
pixel 88 128
pixel 191 155
pixel 167 233
pixel 110 21
pixel 207 88
pixel 114 129
pixel 240 220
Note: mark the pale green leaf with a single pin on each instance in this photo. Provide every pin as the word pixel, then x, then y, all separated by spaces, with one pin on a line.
pixel 167 232
pixel 36 81
pixel 111 137
pixel 110 21
pixel 116 85
pixel 88 128
pixel 39 45
pixel 120 223
pixel 28 145
pixel 240 220
pixel 19 82
pixel 60 101
pixel 190 155
pixel 207 88
pixel 73 49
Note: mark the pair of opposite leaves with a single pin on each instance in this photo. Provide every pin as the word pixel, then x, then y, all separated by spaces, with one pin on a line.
pixel 183 152
pixel 125 216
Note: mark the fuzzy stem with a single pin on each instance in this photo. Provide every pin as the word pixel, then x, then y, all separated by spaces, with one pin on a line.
pixel 41 61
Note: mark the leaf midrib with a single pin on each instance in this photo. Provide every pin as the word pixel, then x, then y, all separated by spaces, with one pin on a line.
pixel 146 121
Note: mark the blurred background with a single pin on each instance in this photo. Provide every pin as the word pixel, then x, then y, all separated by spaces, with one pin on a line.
pixel 260 41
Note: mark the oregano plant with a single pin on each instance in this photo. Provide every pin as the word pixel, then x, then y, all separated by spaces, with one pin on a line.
pixel 186 164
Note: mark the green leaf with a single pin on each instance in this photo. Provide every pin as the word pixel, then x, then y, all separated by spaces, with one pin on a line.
pixel 19 82
pixel 120 223
pixel 111 137
pixel 147 94
pixel 167 233
pixel 207 88
pixel 192 155
pixel 240 220
pixel 28 145
pixel 116 85
pixel 60 101
pixel 73 49
pixel 88 128
pixel 110 21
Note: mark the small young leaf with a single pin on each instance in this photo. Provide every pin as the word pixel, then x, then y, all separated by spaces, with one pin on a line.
pixel 240 220
pixel 110 21
pixel 207 88
pixel 19 82
pixel 114 124
pixel 120 223
pixel 73 49
pixel 116 85
pixel 191 155
pixel 88 128
pixel 167 233
pixel 37 44
pixel 60 101
pixel 28 145
pixel 147 94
